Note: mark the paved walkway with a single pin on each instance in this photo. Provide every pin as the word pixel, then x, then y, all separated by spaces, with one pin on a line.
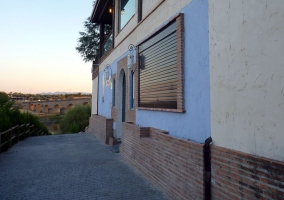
pixel 73 166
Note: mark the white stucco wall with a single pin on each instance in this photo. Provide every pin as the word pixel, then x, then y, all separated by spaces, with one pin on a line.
pixel 148 6
pixel 94 95
pixel 247 75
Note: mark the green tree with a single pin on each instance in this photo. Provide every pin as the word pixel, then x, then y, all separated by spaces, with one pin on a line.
pixel 8 113
pixel 89 40
pixel 76 119
pixel 3 98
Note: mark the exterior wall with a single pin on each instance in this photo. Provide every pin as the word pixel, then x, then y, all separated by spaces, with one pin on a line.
pixel 104 97
pixel 105 89
pixel 149 5
pixel 132 34
pixel 194 124
pixel 130 113
pixel 175 165
pixel 101 127
pixel 247 84
pixel 237 98
pixel 95 96
pixel 237 175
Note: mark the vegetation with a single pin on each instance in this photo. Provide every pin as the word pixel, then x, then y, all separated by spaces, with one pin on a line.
pixel 76 119
pixel 55 118
pixel 89 40
pixel 47 97
pixel 11 116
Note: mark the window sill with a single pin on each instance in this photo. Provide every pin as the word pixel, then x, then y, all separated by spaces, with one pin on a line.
pixel 162 109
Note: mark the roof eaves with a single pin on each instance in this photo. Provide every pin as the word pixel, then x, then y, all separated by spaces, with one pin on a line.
pixel 94 10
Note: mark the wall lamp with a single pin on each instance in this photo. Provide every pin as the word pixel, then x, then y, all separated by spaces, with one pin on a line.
pixel 107 72
pixel 122 11
pixel 130 56
pixel 110 9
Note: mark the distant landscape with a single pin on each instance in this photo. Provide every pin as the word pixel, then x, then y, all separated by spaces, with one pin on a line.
pixel 56 93
pixel 46 96
pixel 52 120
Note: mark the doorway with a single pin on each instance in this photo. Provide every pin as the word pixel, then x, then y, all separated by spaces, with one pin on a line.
pixel 121 114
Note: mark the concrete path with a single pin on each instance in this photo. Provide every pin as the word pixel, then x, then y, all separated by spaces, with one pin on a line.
pixel 72 166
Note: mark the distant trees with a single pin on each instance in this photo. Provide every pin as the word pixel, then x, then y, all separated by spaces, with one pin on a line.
pixel 11 116
pixel 46 97
pixel 76 119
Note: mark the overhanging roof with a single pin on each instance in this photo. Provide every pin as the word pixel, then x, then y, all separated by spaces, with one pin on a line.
pixel 100 12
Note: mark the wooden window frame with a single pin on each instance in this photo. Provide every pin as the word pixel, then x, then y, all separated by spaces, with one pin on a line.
pixel 180 65
pixel 119 27
pixel 140 4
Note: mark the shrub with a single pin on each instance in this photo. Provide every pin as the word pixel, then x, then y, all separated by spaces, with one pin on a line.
pixel 76 119
pixel 10 115
pixel 4 98
pixel 30 118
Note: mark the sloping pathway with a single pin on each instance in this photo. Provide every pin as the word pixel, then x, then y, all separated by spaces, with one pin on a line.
pixel 72 166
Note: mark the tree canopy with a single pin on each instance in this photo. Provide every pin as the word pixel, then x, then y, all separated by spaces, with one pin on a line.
pixel 89 40
pixel 3 98
pixel 76 119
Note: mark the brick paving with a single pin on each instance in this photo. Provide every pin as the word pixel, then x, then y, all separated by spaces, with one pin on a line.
pixel 72 166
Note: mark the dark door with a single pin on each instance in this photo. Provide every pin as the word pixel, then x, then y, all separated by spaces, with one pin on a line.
pixel 123 98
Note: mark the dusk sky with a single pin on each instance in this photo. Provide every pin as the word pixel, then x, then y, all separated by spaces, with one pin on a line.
pixel 37 46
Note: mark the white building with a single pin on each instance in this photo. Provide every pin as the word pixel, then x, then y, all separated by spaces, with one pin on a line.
pixel 172 74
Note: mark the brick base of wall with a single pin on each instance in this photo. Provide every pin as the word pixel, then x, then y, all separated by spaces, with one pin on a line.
pixel 236 175
pixel 175 165
pixel 101 127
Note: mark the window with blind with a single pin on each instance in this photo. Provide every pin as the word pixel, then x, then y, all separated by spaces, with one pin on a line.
pixel 158 70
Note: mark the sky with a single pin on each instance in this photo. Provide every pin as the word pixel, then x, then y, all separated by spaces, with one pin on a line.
pixel 37 46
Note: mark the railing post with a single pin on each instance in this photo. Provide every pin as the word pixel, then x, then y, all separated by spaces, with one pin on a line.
pixel 31 130
pixel 28 130
pixel 0 141
pixel 22 131
pixel 17 134
pixel 10 137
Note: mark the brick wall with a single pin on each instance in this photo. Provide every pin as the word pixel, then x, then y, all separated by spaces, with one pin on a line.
pixel 237 175
pixel 175 165
pixel 101 127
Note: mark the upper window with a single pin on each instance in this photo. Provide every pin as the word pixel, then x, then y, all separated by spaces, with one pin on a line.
pixel 126 9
